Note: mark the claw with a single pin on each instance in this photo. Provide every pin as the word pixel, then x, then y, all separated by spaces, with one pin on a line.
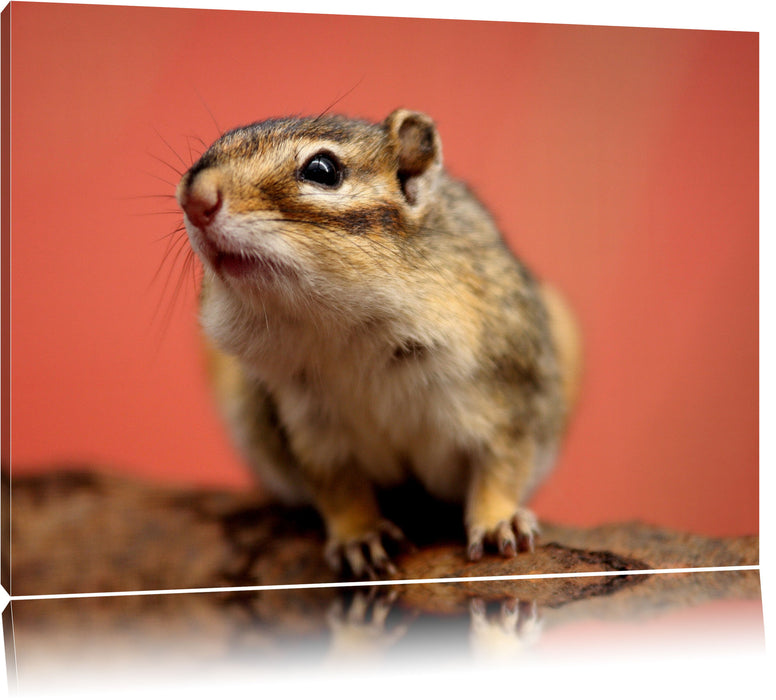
pixel 378 555
pixel 525 543
pixel 476 548
pixel 510 536
pixel 475 551
pixel 524 523
pixel 393 532
pixel 355 559
pixel 507 545
pixel 364 554
pixel 333 556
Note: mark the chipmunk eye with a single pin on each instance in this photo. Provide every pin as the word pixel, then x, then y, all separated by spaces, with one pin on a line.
pixel 323 169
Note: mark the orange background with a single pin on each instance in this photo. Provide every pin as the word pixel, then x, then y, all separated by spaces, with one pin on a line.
pixel 621 163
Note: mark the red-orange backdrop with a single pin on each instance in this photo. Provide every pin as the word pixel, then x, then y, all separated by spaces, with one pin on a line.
pixel 622 164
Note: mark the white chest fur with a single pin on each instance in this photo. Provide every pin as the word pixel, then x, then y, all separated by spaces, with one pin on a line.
pixel 360 393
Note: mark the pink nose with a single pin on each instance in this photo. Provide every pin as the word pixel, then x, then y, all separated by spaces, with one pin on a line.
pixel 201 198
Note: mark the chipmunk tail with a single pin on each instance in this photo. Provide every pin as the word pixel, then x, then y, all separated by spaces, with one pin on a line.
pixel 568 341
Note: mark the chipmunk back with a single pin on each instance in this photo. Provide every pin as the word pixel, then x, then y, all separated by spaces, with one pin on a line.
pixel 368 325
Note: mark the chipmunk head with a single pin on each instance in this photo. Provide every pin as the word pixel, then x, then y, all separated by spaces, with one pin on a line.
pixel 313 199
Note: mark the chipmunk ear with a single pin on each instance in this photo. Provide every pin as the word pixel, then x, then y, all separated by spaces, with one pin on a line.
pixel 418 149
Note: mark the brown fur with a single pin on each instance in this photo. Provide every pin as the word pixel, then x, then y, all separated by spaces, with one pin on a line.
pixel 376 329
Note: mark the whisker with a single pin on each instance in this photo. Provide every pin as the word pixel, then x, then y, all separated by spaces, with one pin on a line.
pixel 176 212
pixel 180 241
pixel 187 272
pixel 176 290
pixel 191 154
pixel 204 104
pixel 148 196
pixel 181 281
pixel 195 153
pixel 161 179
pixel 195 268
pixel 178 229
pixel 164 162
pixel 341 97
pixel 175 153
pixel 198 138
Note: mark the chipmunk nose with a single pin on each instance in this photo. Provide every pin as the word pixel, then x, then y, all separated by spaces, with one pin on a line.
pixel 200 197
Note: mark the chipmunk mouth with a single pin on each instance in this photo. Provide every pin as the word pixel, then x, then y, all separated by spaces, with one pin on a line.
pixel 231 260
pixel 248 266
pixel 235 264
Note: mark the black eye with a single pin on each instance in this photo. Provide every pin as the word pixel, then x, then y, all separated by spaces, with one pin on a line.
pixel 323 169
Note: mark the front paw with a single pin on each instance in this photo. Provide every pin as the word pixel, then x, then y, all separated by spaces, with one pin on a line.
pixel 363 553
pixel 509 536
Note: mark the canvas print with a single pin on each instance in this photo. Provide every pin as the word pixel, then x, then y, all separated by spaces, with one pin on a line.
pixel 340 337
pixel 300 299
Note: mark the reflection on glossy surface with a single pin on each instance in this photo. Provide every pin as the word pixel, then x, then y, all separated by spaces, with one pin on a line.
pixel 78 644
pixel 152 538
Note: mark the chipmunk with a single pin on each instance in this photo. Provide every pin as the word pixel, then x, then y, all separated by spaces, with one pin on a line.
pixel 367 324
